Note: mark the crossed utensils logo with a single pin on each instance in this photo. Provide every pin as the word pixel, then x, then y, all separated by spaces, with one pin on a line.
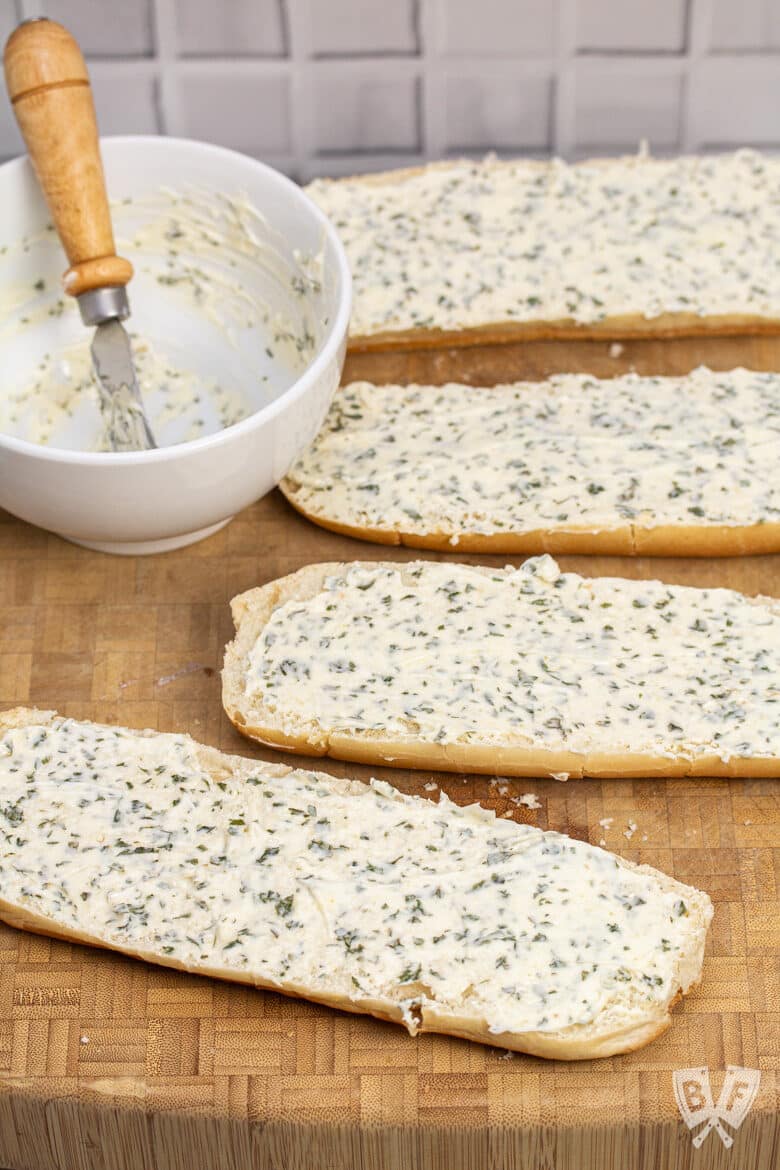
pixel 694 1100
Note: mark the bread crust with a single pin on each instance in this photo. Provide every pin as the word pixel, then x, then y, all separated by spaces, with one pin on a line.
pixel 620 327
pixel 252 611
pixel 574 1043
pixel 625 327
pixel 577 1042
pixel 664 540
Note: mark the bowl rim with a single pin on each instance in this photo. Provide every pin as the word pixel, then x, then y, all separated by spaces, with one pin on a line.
pixel 336 331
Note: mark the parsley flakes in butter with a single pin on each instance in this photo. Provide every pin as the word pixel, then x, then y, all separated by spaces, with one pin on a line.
pixel 332 887
pixel 467 244
pixel 446 653
pixel 574 451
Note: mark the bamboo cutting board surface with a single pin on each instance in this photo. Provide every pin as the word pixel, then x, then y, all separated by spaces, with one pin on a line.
pixel 110 1064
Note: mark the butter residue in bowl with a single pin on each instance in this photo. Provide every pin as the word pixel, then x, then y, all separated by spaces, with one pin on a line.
pixel 60 406
pixel 226 316
pixel 194 244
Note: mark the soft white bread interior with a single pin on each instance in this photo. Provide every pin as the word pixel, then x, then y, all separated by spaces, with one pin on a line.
pixel 441 918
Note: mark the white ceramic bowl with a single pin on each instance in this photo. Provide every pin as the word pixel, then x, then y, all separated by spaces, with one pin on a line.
pixel 212 323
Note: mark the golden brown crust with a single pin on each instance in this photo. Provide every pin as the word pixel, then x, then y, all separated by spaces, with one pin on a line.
pixel 514 761
pixel 578 1042
pixel 626 327
pixel 251 612
pixel 575 1043
pixel 664 540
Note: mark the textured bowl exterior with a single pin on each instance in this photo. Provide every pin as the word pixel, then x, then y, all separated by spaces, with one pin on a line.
pixel 139 497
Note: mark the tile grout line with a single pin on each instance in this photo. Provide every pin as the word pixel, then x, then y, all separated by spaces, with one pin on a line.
pixel 432 128
pixel 298 45
pixel 169 101
pixel 700 16
pixel 562 118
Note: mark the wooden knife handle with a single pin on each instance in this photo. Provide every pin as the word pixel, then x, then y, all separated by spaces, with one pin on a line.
pixel 49 87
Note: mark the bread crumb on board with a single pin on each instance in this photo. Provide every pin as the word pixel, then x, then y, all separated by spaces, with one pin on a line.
pixel 628 832
pixel 527 799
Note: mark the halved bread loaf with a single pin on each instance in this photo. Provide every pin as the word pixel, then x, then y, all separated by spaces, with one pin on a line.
pixel 444 919
pixel 518 672
pixel 469 253
pixel 665 466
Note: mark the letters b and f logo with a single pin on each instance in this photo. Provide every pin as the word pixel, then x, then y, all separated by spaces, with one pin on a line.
pixel 694 1100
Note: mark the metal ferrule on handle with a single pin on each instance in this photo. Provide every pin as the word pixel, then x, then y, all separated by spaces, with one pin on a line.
pixel 104 304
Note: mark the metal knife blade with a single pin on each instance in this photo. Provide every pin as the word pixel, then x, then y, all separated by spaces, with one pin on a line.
pixel 120 396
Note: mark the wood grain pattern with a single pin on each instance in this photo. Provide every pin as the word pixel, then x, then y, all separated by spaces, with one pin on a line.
pixel 109 1064
pixel 48 85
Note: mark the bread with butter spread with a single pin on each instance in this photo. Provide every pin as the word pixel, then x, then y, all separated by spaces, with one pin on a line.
pixel 437 917
pixel 515 672
pixel 482 252
pixel 645 465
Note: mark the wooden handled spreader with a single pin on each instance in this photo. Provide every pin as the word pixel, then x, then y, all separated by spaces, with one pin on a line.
pixel 49 88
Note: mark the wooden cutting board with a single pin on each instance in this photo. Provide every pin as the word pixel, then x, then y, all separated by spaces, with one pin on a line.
pixel 109 1064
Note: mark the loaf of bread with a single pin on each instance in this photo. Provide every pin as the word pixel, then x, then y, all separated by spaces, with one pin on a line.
pixel 666 466
pixel 514 672
pixel 441 918
pixel 469 252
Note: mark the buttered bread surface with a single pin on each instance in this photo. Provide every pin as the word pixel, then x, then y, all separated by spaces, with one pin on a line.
pixel 609 674
pixel 354 895
pixel 140 642
pixel 630 456
pixel 659 243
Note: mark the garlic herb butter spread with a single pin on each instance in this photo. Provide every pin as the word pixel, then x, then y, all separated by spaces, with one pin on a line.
pixel 227 315
pixel 574 451
pixel 447 653
pixel 61 406
pixel 331 887
pixel 466 244
pixel 217 254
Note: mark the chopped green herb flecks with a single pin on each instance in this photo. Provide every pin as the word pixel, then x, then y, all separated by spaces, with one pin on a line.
pixel 450 653
pixel 299 879
pixel 469 244
pixel 455 461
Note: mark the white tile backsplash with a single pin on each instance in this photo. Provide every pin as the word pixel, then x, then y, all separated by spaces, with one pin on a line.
pixel 125 105
pixel 497 113
pixel 638 25
pixel 617 105
pixel 735 100
pixel 212 28
pixel 10 15
pixel 745 25
pixel 362 113
pixel 106 28
pixel 10 139
pixel 342 85
pixel 369 27
pixel 245 113
pixel 497 28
